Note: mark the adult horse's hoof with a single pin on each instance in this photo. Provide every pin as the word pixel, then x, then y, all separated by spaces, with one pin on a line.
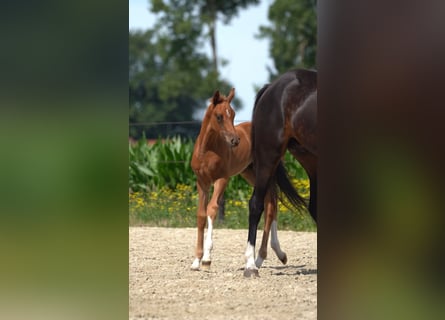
pixel 251 273
pixel 284 259
pixel 205 265
pixel 259 262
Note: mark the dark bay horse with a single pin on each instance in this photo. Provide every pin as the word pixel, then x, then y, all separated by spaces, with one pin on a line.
pixel 284 118
pixel 223 150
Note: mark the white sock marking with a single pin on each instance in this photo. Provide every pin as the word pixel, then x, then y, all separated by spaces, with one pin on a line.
pixel 274 243
pixel 208 243
pixel 195 264
pixel 250 257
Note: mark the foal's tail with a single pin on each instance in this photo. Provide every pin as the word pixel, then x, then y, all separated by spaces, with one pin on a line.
pixel 287 188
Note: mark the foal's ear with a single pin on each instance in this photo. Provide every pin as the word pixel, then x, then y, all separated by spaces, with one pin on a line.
pixel 231 95
pixel 215 98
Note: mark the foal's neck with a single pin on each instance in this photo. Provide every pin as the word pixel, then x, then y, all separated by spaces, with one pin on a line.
pixel 209 139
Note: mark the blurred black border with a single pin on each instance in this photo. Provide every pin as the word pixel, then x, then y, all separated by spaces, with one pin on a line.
pixel 381 177
pixel 64 164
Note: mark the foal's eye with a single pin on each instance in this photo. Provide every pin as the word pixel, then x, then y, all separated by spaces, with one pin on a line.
pixel 219 117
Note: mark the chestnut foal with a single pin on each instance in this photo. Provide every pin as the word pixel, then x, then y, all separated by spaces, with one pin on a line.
pixel 223 150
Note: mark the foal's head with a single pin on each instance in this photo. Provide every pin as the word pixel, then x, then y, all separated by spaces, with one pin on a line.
pixel 221 117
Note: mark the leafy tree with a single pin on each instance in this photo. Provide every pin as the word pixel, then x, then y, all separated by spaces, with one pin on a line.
pixel 202 13
pixel 292 35
pixel 170 78
pixel 164 85
pixel 211 10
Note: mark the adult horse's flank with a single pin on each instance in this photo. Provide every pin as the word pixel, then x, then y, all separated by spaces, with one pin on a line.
pixel 223 150
pixel 284 117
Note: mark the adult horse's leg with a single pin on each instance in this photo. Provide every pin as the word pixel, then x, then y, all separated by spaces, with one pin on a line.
pixel 275 244
pixel 203 194
pixel 212 210
pixel 262 252
pixel 270 225
pixel 263 177
pixel 267 156
pixel 256 207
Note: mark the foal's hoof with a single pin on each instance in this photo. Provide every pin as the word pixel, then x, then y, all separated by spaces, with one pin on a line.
pixel 195 265
pixel 205 265
pixel 251 273
pixel 284 259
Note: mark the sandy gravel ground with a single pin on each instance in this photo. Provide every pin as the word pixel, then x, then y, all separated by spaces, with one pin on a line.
pixel 162 286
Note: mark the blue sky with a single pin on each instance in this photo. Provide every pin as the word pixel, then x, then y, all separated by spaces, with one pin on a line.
pixel 247 56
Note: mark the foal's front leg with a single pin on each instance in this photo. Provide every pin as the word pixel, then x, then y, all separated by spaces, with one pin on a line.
pixel 212 210
pixel 203 194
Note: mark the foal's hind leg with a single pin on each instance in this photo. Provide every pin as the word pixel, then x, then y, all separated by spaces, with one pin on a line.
pixel 212 210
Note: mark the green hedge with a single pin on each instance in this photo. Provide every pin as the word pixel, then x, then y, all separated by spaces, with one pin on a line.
pixel 167 164
pixel 163 189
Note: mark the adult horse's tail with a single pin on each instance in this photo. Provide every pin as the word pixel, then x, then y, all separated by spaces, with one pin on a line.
pixel 287 188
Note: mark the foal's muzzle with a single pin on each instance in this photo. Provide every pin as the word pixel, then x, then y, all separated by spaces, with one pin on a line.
pixel 234 141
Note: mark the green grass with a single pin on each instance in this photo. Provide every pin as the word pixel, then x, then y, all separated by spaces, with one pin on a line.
pixel 163 189
pixel 177 207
